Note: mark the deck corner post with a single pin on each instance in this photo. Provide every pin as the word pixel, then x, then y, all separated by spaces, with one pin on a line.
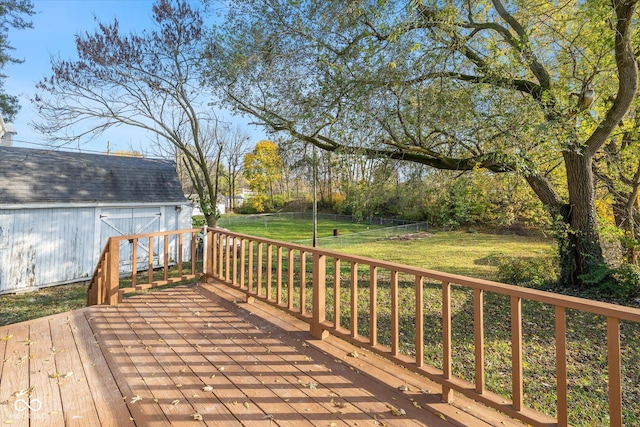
pixel 319 296
pixel 113 272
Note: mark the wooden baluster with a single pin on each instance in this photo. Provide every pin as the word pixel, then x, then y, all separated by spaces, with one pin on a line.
pixel 194 258
pixel 373 305
pixel 259 266
pixel 243 266
pixel 394 313
pixel 354 299
pixel 250 268
pixel 150 272
pixel 268 265
pixel 221 251
pixel 419 338
pixel 516 352
pixel 166 257
pixel 478 338
pixel 561 366
pixel 234 255
pixel 614 369
pixel 227 258
pixel 180 243
pixel 212 255
pixel 303 282
pixel 134 262
pixel 336 292
pixel 279 275
pixel 290 284
pixel 447 393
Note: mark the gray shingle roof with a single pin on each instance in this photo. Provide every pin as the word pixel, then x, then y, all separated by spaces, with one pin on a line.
pixel 42 176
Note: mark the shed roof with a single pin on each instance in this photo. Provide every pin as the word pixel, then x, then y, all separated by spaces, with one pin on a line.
pixel 30 176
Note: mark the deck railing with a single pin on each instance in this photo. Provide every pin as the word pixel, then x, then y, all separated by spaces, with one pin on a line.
pixel 146 260
pixel 339 294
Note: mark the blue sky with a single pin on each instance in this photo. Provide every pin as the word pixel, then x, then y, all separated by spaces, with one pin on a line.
pixel 56 23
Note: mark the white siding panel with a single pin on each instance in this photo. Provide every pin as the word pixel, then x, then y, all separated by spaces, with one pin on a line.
pixel 44 247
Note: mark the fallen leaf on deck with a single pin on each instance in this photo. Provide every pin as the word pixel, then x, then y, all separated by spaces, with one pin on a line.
pixel 135 399
pixel 207 388
pixel 7 337
pixel 246 405
pixel 354 354
pixel 403 387
pixel 26 391
pixel 398 412
pixel 221 368
pixel 175 402
pixel 197 416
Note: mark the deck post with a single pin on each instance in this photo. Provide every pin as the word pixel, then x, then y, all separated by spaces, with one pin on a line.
pixel 319 296
pixel 113 273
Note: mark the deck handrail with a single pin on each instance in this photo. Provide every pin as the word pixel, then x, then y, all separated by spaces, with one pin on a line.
pixel 276 272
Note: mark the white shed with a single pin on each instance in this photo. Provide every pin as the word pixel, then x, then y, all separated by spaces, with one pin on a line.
pixel 58 209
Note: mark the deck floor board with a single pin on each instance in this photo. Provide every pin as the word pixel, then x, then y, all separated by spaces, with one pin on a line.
pixel 42 367
pixel 167 358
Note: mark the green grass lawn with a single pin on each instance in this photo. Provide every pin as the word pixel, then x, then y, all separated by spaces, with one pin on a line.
pixel 44 302
pixel 291 230
pixel 454 252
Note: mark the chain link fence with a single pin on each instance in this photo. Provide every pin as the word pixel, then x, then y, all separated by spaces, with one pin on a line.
pixel 339 241
pixel 226 221
pixel 390 227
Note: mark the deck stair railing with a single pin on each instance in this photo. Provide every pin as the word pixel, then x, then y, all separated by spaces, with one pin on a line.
pixel 133 257
pixel 304 281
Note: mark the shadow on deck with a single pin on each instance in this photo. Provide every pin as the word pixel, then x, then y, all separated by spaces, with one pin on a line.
pixel 199 355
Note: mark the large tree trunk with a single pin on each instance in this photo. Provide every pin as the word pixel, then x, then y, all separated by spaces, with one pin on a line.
pixel 584 252
pixel 212 219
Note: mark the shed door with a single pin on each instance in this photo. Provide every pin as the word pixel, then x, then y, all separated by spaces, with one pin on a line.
pixel 126 221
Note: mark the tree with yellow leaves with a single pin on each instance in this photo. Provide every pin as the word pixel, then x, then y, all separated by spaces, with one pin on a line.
pixel 263 169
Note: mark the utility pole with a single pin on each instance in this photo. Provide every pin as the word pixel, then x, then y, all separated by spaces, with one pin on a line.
pixel 315 199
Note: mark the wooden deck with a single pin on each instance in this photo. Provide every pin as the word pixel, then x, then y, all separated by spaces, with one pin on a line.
pixel 199 355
